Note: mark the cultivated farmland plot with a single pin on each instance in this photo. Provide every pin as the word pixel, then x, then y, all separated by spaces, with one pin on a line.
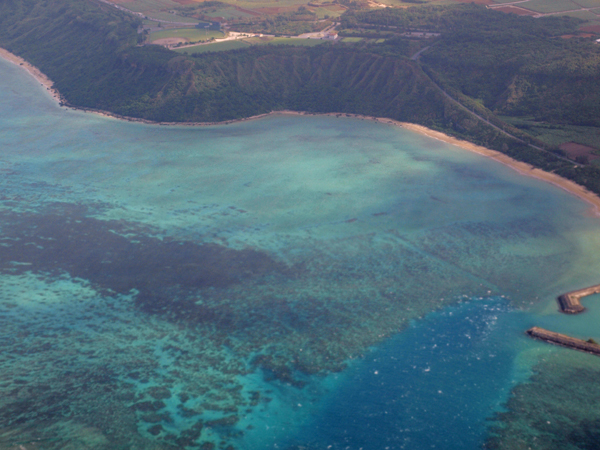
pixel 549 6
pixel 156 9
pixel 147 5
pixel 584 15
pixel 293 41
pixel 234 45
pixel 227 13
pixel 507 1
pixel 588 3
pixel 250 4
pixel 186 35
pixel 217 47
pixel 166 16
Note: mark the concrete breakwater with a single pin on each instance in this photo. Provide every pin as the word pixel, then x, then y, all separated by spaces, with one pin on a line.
pixel 570 302
pixel 564 340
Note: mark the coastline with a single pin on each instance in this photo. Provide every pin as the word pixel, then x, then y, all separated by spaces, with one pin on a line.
pixel 521 167
pixel 34 72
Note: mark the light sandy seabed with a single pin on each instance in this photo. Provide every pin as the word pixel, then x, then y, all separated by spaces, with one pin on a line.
pixel 34 71
pixel 521 167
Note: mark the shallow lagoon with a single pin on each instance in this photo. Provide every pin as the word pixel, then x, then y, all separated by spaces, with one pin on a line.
pixel 282 283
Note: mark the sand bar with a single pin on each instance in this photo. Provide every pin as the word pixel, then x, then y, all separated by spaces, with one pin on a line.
pixel 521 167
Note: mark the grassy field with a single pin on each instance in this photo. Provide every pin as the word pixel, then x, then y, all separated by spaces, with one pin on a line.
pixel 548 6
pixel 227 13
pixel 293 41
pixel 249 4
pixel 234 45
pixel 352 39
pixel 189 34
pixel 331 11
pixel 157 9
pixel 163 15
pixel 557 134
pixel 588 3
pixel 403 4
pixel 285 41
pixel 585 15
pixel 147 5
pixel 217 47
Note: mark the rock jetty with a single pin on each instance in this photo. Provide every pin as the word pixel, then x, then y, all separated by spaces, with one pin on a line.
pixel 564 340
pixel 570 302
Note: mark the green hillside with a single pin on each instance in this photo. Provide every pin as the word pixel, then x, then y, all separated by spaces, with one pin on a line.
pixel 491 62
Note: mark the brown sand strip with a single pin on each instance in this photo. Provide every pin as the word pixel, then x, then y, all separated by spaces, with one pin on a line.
pixel 564 340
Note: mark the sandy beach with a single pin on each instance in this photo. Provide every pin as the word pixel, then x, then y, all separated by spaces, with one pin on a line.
pixel 521 167
pixel 33 71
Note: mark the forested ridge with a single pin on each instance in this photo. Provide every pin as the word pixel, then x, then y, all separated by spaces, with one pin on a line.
pixel 499 63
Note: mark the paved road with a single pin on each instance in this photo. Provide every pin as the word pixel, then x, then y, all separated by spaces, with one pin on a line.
pixel 483 119
pixel 416 55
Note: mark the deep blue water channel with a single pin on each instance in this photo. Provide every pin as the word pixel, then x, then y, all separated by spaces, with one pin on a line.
pixel 433 386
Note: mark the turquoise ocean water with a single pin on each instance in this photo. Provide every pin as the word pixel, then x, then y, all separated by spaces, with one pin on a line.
pixel 291 282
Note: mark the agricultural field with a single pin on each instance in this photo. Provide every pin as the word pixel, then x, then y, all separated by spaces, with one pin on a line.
pixel 557 135
pixel 408 4
pixel 572 8
pixel 249 4
pixel 170 17
pixel 216 47
pixel 226 13
pixel 332 11
pixel 293 41
pixel 184 35
pixel 146 5
pixel 545 6
pixel 584 15
pixel 244 43
pixel 551 6
pixel 156 9
pixel 581 153
pixel 515 10
pixel 588 3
